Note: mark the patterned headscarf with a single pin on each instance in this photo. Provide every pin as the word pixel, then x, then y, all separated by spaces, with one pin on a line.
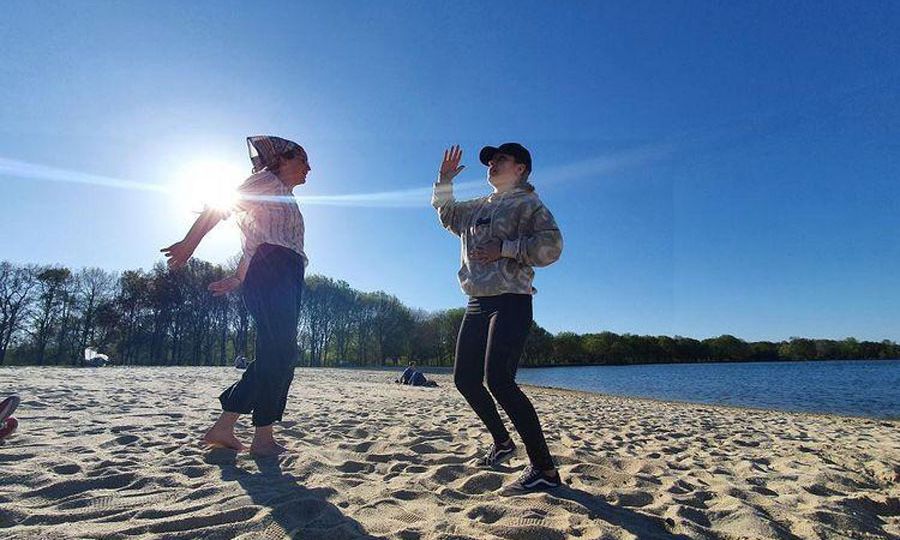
pixel 265 150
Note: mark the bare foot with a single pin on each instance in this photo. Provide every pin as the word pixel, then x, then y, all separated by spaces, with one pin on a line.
pixel 268 448
pixel 222 438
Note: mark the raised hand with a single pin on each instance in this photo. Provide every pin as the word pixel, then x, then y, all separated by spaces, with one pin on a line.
pixel 450 167
pixel 224 286
pixel 178 254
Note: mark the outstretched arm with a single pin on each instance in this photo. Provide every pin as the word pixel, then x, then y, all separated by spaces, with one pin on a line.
pixel 179 253
pixel 231 283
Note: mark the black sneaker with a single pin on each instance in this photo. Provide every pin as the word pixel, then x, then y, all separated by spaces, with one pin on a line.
pixel 533 479
pixel 497 454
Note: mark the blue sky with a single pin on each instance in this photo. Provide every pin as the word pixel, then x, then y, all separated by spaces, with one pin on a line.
pixel 714 169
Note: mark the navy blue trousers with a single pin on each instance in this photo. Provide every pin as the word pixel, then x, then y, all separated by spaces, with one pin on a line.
pixel 272 291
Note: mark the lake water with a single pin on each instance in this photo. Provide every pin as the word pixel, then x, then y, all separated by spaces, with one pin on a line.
pixel 857 388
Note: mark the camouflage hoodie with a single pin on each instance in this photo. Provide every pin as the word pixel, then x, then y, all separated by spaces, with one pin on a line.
pixel 517 217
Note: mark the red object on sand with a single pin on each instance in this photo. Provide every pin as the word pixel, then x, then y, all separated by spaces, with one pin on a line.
pixel 9 426
pixel 7 407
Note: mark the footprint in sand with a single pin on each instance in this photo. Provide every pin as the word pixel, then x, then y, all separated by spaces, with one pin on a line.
pixel 694 515
pixel 435 434
pixel 14 457
pixel 123 440
pixel 361 448
pixel 762 490
pixel 634 499
pixel 355 467
pixel 486 513
pixel 681 487
pixel 447 473
pixel 193 471
pixel 397 468
pixel 424 448
pixel 531 532
pixel 67 469
pixel 66 488
pixel 482 483
pixel 405 495
pixel 746 444
pixel 358 433
pixel 821 490
pixel 391 458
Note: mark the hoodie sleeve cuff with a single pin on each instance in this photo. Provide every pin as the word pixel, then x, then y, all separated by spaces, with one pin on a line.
pixel 510 249
pixel 443 193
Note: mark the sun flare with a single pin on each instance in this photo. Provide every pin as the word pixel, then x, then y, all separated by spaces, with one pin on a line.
pixel 206 182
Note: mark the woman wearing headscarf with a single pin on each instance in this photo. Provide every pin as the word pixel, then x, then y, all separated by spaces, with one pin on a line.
pixel 271 274
pixel 504 236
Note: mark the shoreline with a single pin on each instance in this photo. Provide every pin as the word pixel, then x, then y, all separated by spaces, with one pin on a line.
pixel 445 372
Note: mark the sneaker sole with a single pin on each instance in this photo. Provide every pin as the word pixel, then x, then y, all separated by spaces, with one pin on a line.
pixel 540 483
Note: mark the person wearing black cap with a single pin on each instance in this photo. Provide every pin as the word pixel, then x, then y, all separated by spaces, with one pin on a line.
pixel 504 236
pixel 271 272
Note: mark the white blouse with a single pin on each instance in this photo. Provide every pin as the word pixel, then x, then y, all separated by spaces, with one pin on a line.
pixel 268 214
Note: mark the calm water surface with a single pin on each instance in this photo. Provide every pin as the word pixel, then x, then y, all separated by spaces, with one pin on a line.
pixel 857 388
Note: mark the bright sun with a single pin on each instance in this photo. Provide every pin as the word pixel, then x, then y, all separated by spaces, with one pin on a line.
pixel 208 183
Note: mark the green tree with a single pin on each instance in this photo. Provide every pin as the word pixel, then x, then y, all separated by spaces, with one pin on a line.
pixel 728 348
pixel 797 349
pixel 567 348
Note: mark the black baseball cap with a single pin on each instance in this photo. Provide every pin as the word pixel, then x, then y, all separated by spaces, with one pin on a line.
pixel 516 150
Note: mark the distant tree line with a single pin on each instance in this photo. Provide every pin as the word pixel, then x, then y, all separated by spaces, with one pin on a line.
pixel 50 314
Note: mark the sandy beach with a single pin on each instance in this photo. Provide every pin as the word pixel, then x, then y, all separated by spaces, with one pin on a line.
pixel 114 453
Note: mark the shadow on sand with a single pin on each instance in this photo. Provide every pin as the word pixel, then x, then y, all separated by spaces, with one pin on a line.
pixel 307 513
pixel 638 524
pixel 299 511
pixel 641 525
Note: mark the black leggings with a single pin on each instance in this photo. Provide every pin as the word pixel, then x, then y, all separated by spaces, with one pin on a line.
pixel 491 338
pixel 272 290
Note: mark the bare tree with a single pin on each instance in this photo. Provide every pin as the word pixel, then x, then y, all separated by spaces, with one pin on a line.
pixel 131 306
pixel 17 286
pixel 391 326
pixel 318 317
pixel 346 309
pixel 51 283
pixel 67 327
pixel 95 287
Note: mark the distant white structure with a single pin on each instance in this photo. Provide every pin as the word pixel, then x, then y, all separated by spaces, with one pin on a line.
pixel 94 359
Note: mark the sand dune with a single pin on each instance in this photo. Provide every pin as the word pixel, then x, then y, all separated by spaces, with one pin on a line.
pixel 113 453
